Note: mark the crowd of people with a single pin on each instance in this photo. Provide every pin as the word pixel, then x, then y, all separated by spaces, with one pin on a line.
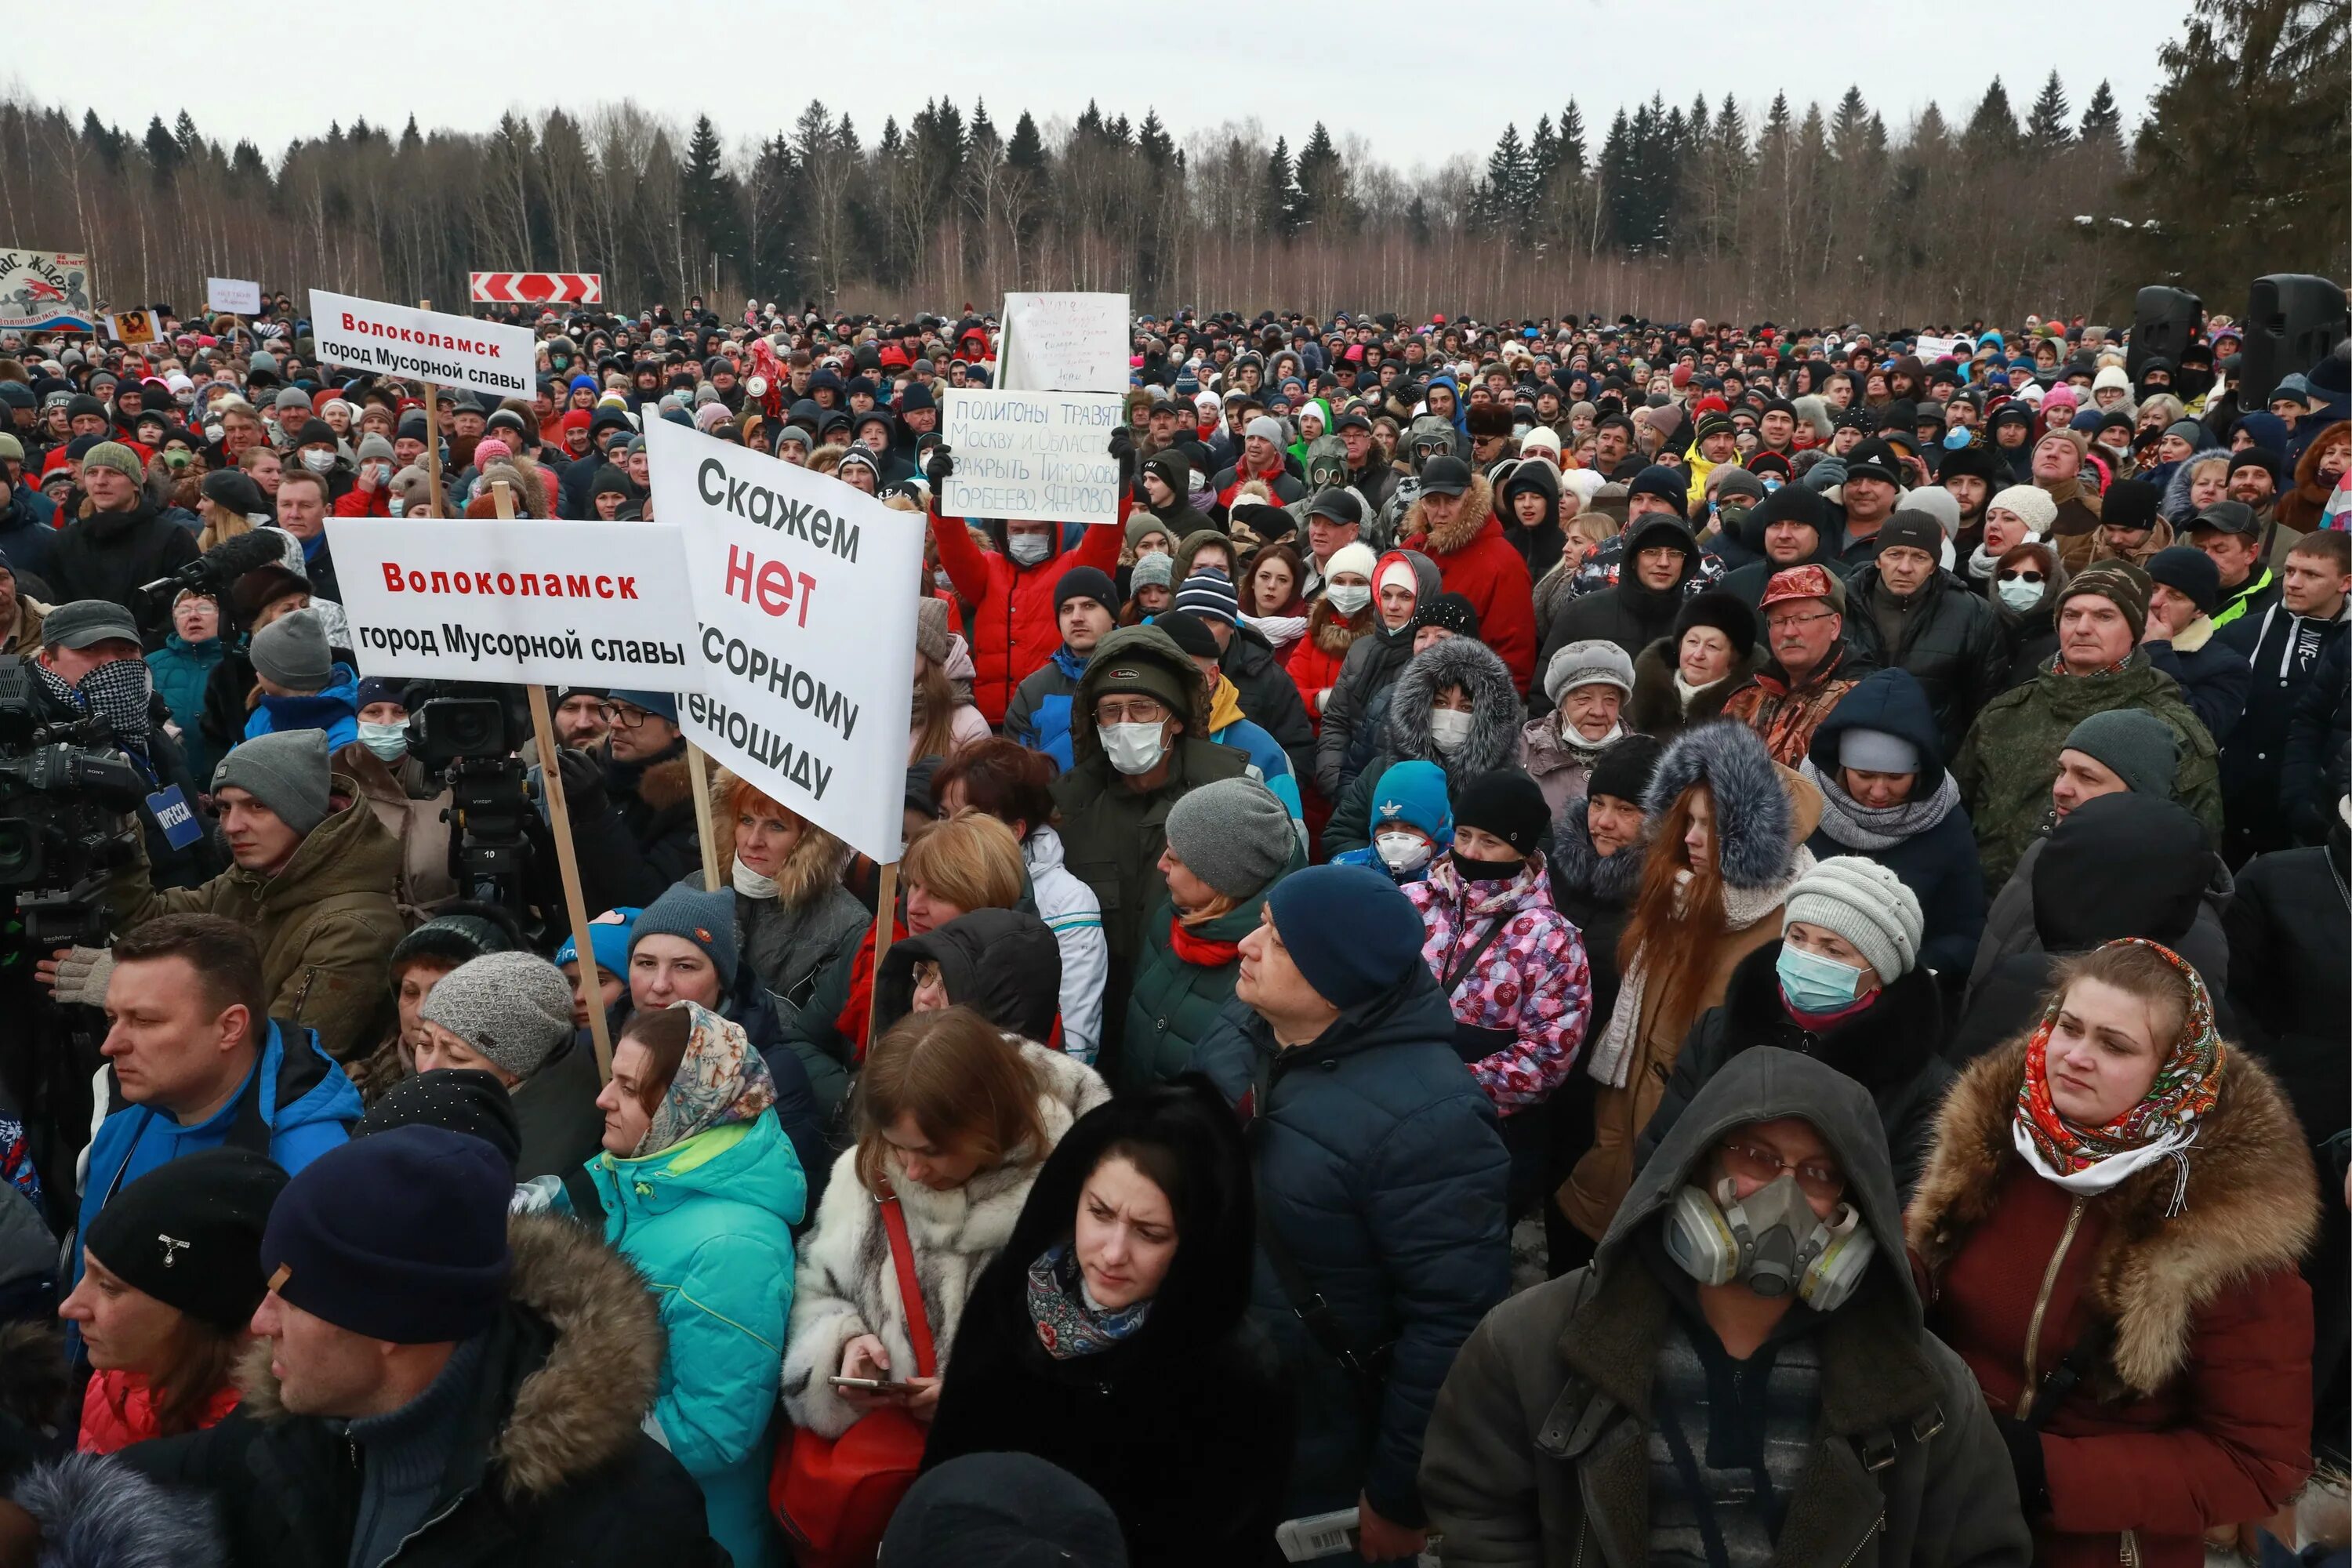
pixel 1714 944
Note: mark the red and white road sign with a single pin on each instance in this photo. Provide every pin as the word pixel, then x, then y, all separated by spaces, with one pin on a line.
pixel 537 287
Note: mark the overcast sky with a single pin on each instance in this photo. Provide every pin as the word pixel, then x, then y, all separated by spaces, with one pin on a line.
pixel 1420 82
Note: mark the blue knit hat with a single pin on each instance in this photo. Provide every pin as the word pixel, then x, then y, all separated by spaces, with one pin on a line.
pixel 608 941
pixel 705 919
pixel 660 704
pixel 1413 793
pixel 1349 930
pixel 400 1237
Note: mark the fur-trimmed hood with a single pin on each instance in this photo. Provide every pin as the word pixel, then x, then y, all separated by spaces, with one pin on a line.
pixel 1469 520
pixel 1577 866
pixel 582 1406
pixel 97 1513
pixel 1130 645
pixel 1495 711
pixel 669 783
pixel 1762 810
pixel 2252 1209
pixel 812 868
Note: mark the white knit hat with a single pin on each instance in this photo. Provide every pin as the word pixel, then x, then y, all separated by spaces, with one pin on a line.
pixel 2111 375
pixel 1866 903
pixel 2029 502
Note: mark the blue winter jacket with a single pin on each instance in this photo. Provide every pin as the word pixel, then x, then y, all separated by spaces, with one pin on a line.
pixel 180 668
pixel 335 710
pixel 1044 725
pixel 708 1223
pixel 1378 1162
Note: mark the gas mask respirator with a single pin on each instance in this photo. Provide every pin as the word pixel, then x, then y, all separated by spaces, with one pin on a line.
pixel 1771 1239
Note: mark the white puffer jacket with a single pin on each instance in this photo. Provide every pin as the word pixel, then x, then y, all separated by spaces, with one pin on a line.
pixel 846 1284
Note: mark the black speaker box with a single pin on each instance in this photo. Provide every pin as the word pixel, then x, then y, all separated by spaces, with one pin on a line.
pixel 2164 321
pixel 2293 320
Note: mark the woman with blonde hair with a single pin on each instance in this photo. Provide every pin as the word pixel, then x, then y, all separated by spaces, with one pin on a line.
pixel 2111 1222
pixel 794 917
pixel 1729 844
pixel 953 1121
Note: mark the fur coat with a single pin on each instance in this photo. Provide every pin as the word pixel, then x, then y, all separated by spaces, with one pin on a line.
pixel 847 1285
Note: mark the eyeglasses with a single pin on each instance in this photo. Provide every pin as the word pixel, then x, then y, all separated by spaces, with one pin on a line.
pixel 1753 1163
pixel 1785 623
pixel 1134 710
pixel 623 716
pixel 2015 576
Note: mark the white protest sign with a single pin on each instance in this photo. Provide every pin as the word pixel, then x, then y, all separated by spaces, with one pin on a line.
pixel 1065 343
pixel 237 296
pixel 804 644
pixel 424 345
pixel 1040 457
pixel 1931 350
pixel 530 601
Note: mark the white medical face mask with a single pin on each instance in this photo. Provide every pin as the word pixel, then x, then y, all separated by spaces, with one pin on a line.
pixel 1028 548
pixel 389 741
pixel 1402 851
pixel 1133 749
pixel 1349 598
pixel 318 462
pixel 2020 594
pixel 1448 729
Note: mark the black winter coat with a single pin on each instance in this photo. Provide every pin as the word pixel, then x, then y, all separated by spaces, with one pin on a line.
pixel 107 554
pixel 1951 643
pixel 1269 696
pixel 2285 651
pixel 2290 935
pixel 641 838
pixel 1184 1429
pixel 2214 678
pixel 569 1480
pixel 1629 615
pixel 2317 737
pixel 1889 1048
pixel 1596 893
pixel 1379 1164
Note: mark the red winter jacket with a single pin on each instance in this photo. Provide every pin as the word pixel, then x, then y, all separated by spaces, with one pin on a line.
pixel 117 1409
pixel 361 501
pixel 1013 630
pixel 1494 578
pixel 1316 658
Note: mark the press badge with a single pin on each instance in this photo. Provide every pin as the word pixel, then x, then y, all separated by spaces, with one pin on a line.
pixel 169 809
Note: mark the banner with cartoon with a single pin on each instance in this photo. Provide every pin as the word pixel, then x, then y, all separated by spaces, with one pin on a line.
pixel 45 291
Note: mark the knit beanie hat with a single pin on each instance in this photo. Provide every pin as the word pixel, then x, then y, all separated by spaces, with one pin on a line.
pixel 513 1008
pixel 2189 571
pixel 1349 930
pixel 1588 663
pixel 400 1237
pixel 463 1100
pixel 459 938
pixel 1153 572
pixel 2129 504
pixel 286 771
pixel 608 939
pixel 292 651
pixel 1506 803
pixel 2029 501
pixel 1266 426
pixel 1622 770
pixel 1866 903
pixel 1413 793
pixel 1085 583
pixel 705 919
pixel 1723 611
pixel 1356 557
pixel 2119 583
pixel 1143 524
pixel 1234 835
pixel 2137 746
pixel 189 1233
pixel 1210 593
pixel 116 456
pixel 931 629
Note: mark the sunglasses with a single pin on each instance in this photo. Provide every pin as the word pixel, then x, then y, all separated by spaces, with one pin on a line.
pixel 2016 576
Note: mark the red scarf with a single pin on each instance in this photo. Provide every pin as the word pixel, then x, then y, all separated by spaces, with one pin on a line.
pixel 2182 1094
pixel 1201 952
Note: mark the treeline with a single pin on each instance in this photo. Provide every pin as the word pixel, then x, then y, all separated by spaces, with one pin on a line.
pixel 1724 207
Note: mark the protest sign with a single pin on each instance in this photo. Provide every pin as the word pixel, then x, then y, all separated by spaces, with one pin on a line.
pixel 425 345
pixel 1035 455
pixel 133 329
pixel 1931 350
pixel 45 291
pixel 803 641
pixel 237 296
pixel 531 600
pixel 1063 343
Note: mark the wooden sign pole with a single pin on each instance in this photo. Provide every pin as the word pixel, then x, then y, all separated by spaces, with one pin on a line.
pixel 698 770
pixel 433 506
pixel 567 859
pixel 886 901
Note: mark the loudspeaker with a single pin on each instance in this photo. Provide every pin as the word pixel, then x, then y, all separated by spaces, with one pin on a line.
pixel 2164 320
pixel 2293 320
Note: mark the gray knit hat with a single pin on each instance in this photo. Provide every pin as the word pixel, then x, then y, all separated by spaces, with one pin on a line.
pixel 513 1008
pixel 116 456
pixel 1153 572
pixel 2137 746
pixel 292 651
pixel 931 630
pixel 1233 835
pixel 705 919
pixel 1863 903
pixel 375 449
pixel 286 771
pixel 1584 664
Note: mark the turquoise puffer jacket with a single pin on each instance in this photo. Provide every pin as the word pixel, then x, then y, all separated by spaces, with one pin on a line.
pixel 709 1222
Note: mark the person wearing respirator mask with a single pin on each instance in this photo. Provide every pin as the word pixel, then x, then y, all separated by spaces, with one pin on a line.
pixel 1454 706
pixel 1759 1248
pixel 1412 822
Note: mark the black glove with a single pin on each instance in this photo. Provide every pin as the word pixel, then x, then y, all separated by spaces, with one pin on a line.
pixel 2023 1441
pixel 583 783
pixel 940 468
pixel 1126 457
pixel 1122 441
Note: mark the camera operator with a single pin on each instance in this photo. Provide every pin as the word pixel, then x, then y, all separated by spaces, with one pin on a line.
pixel 89 665
pixel 312 882
pixel 632 804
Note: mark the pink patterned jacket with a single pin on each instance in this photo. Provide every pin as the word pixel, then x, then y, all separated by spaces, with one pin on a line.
pixel 1533 980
